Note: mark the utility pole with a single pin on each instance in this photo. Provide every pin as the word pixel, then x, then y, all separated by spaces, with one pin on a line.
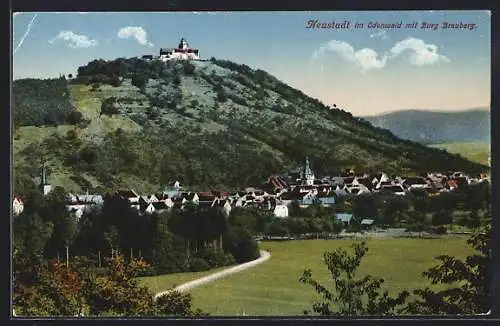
pixel 67 256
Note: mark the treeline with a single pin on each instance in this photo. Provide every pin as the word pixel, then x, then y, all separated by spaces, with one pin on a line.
pixel 192 239
pixel 113 72
pixel 38 102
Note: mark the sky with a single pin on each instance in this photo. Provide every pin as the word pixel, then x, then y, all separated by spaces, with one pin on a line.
pixel 366 70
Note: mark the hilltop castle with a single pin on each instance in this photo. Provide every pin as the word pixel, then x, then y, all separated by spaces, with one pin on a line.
pixel 182 52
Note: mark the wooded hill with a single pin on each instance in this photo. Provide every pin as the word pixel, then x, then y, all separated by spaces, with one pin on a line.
pixel 212 124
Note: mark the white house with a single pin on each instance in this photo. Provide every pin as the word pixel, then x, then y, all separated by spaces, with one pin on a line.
pixel 77 209
pixel 169 202
pixel 340 192
pixel 153 199
pixel 226 208
pixel 17 206
pixel 281 211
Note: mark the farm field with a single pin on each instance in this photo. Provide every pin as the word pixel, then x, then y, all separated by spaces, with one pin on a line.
pixel 273 288
pixel 474 151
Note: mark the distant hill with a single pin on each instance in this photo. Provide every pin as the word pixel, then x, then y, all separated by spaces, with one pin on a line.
pixel 431 127
pixel 212 124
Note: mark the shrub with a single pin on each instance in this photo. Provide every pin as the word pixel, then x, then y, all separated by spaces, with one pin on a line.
pixel 94 87
pixel 114 81
pixel 440 230
pixel 109 106
pixel 139 80
pixel 215 259
pixel 221 96
pixel 189 69
pixel 198 265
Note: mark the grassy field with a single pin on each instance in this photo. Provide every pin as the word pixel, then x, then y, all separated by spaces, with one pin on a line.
pixel 273 288
pixel 474 151
pixel 165 282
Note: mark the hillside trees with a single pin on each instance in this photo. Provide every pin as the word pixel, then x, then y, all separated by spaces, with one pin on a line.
pixel 43 102
pixel 140 80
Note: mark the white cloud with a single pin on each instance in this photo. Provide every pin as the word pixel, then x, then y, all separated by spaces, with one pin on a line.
pixel 366 58
pixel 75 41
pixel 28 29
pixel 136 32
pixel 381 34
pixel 420 53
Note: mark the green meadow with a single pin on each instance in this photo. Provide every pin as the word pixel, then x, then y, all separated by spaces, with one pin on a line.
pixel 474 151
pixel 273 288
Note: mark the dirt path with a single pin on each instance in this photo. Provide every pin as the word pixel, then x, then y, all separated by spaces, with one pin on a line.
pixel 264 255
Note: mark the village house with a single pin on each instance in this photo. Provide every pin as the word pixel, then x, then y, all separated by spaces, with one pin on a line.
pixel 280 210
pixel 78 209
pixel 78 204
pixel 325 199
pixel 17 206
pixel 379 178
pixel 344 217
pixel 341 192
pixel 226 207
pixel 363 182
pixel 357 190
pixel 415 183
pixel 191 197
pixel 130 195
pixel 206 200
pixel 394 189
pixel 157 207
pixel 367 223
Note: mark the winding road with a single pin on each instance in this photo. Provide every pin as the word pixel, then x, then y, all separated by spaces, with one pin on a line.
pixel 264 255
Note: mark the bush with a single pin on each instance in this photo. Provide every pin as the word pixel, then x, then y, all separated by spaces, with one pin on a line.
pixel 148 271
pixel 189 69
pixel 440 230
pixel 198 265
pixel 109 106
pixel 221 96
pixel 114 81
pixel 216 259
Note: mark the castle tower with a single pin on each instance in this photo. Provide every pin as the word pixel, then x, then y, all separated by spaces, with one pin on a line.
pixel 308 174
pixel 183 44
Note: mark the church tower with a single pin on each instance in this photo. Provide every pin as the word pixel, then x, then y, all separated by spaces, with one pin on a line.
pixel 45 188
pixel 308 174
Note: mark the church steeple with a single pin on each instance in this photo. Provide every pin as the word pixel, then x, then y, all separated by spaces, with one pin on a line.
pixel 43 174
pixel 308 174
pixel 45 188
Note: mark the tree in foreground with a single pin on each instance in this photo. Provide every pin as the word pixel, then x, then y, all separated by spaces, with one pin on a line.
pixel 60 291
pixel 473 275
pixel 351 296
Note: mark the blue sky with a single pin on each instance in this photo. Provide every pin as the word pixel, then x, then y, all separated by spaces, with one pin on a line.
pixel 365 70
